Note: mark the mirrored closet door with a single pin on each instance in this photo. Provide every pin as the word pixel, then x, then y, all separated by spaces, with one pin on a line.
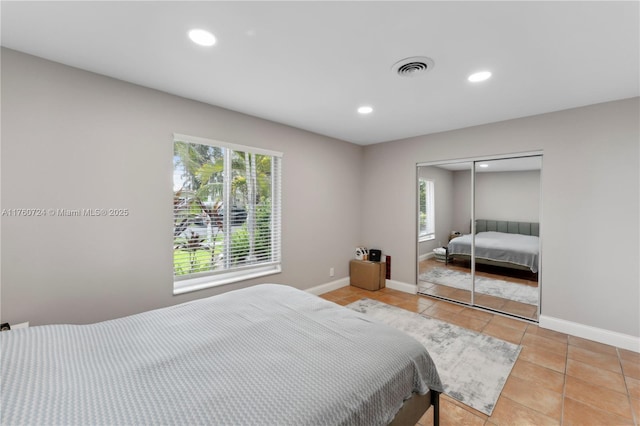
pixel 507 229
pixel 444 207
pixel 478 233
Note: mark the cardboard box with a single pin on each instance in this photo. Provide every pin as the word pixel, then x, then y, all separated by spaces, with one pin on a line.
pixel 367 275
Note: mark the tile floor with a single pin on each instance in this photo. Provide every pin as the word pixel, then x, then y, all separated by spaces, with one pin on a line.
pixel 504 274
pixel 558 379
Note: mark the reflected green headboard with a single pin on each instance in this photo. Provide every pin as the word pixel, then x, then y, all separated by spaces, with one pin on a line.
pixel 524 228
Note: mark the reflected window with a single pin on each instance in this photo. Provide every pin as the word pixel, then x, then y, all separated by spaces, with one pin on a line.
pixel 426 216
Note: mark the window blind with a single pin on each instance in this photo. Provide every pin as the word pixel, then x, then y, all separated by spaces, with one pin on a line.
pixel 227 212
pixel 426 209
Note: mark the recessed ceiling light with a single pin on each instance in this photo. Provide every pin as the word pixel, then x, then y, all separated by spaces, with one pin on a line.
pixel 365 110
pixel 202 37
pixel 484 166
pixel 479 76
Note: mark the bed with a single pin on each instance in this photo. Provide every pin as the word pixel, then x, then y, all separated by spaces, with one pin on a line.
pixel 500 243
pixel 268 354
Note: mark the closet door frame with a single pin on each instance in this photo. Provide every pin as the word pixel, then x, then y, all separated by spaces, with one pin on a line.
pixel 474 161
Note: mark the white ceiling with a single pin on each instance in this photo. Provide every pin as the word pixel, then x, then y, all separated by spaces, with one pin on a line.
pixel 311 64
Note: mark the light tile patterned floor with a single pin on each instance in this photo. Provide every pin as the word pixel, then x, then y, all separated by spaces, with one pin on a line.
pixel 558 379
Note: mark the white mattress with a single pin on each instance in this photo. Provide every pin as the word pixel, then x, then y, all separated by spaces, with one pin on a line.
pixel 517 249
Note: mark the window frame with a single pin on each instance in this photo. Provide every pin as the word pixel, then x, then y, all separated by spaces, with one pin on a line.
pixel 213 278
pixel 429 232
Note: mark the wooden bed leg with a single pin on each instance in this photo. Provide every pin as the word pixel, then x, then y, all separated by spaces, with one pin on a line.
pixel 435 401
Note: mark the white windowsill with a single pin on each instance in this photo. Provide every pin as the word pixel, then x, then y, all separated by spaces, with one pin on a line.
pixel 200 283
pixel 426 238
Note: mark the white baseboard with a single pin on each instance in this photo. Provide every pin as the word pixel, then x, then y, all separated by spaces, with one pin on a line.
pixel 325 288
pixel 400 286
pixel 425 256
pixel 607 337
pixel 344 282
pixel 601 335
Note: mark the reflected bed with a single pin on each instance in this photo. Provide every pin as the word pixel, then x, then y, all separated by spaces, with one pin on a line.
pixel 500 243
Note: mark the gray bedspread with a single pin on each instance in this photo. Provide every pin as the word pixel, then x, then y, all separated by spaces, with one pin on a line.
pixel 265 355
pixel 500 246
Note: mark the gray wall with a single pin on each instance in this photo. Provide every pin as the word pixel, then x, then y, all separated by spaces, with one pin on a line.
pixel 590 204
pixel 513 196
pixel 462 201
pixel 73 139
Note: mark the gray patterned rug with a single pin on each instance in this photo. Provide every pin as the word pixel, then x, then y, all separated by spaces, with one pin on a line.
pixel 473 367
pixel 498 288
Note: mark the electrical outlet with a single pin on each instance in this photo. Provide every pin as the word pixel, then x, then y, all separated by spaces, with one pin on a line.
pixel 331 272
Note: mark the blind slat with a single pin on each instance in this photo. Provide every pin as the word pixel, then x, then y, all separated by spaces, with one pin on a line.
pixel 207 178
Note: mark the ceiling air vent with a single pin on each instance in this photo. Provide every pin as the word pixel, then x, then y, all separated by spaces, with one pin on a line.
pixel 414 66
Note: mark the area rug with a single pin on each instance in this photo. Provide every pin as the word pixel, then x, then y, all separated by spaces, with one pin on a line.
pixel 492 287
pixel 473 367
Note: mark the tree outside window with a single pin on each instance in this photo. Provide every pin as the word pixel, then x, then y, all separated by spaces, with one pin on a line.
pixel 226 209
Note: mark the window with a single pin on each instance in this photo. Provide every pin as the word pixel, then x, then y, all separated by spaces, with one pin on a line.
pixel 426 217
pixel 226 213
